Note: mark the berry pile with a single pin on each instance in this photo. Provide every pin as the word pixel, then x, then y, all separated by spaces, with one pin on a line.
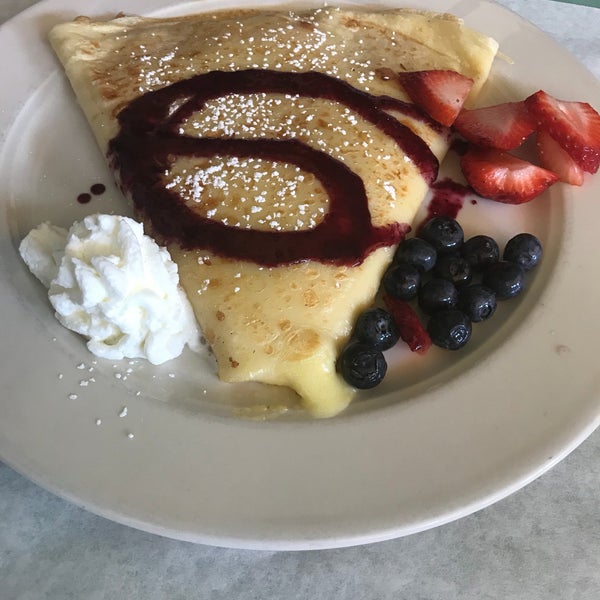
pixel 455 282
pixel 452 281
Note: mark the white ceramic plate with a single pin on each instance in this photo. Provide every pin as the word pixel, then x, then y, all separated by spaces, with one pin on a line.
pixel 444 435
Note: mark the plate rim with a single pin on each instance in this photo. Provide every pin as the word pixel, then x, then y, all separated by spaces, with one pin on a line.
pixel 580 429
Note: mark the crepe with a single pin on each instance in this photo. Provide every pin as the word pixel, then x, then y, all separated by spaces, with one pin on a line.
pixel 276 155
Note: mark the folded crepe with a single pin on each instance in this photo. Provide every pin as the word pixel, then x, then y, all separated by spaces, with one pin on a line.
pixel 277 156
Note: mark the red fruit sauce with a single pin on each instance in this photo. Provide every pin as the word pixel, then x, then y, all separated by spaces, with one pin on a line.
pixel 448 198
pixel 97 189
pixel 148 140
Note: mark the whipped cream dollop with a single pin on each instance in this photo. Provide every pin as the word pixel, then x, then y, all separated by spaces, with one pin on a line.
pixel 113 284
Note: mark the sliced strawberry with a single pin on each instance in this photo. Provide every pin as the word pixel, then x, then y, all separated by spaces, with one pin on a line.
pixel 554 158
pixel 409 325
pixel 503 177
pixel 574 125
pixel 439 93
pixel 503 126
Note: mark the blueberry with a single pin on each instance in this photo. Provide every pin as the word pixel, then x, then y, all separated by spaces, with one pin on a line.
pixel 524 249
pixel 477 302
pixel 443 233
pixel 417 252
pixel 362 366
pixel 506 279
pixel 453 268
pixel 437 294
pixel 402 281
pixel 480 251
pixel 450 329
pixel 376 328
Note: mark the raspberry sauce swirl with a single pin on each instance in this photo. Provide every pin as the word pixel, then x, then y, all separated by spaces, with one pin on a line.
pixel 148 141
